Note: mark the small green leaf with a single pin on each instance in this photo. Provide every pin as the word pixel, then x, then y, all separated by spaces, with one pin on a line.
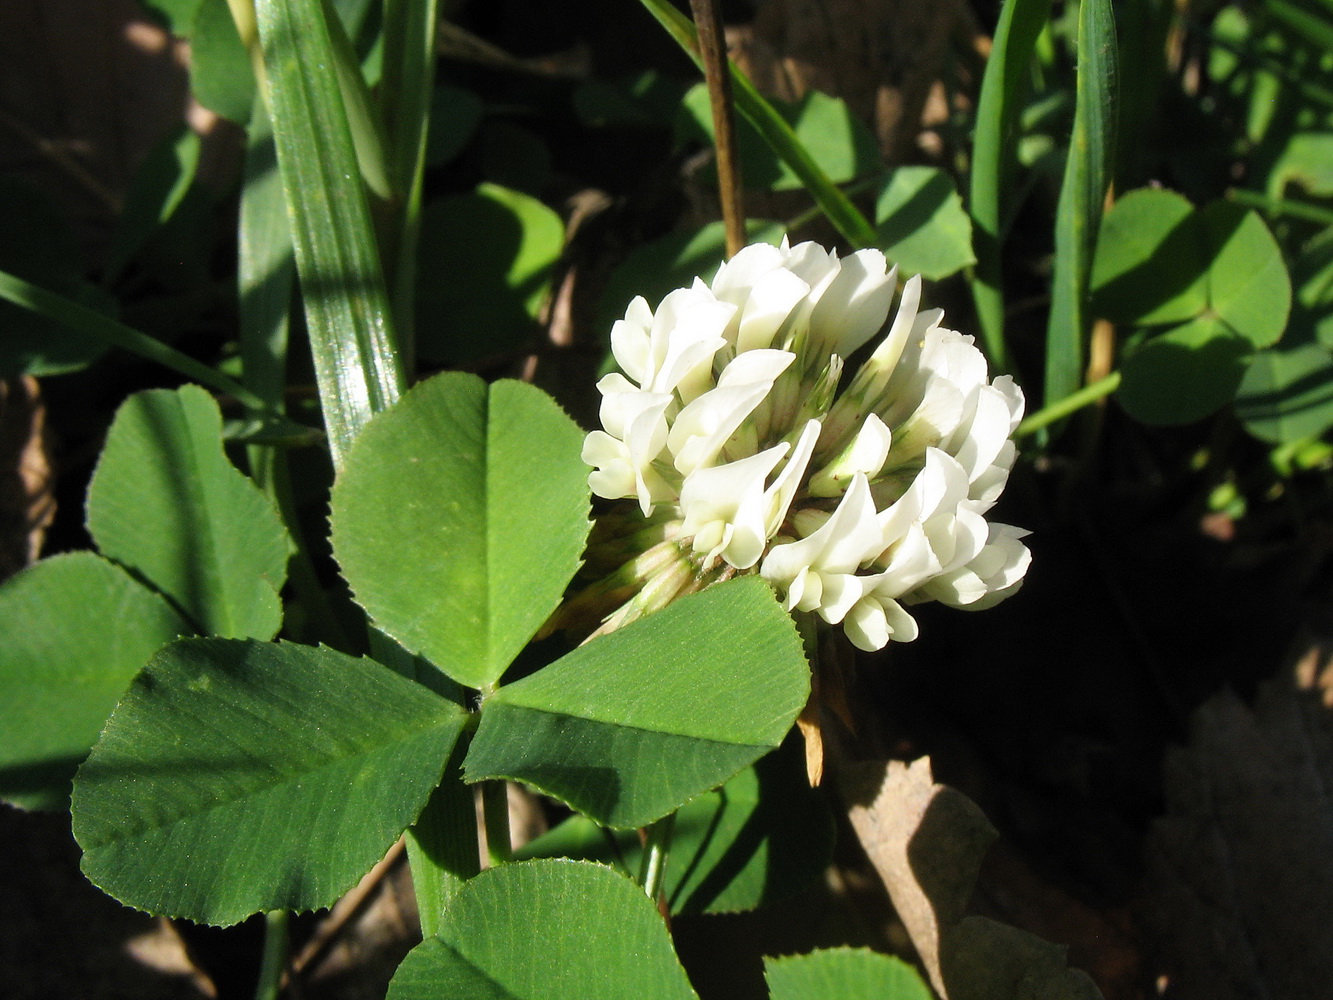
pixel 762 837
pixel 1159 261
pixel 645 100
pixel 484 269
pixel 459 519
pixel 1150 266
pixel 1185 374
pixel 158 187
pixel 546 930
pixel 637 722
pixel 843 973
pixel 167 504
pixel 1306 160
pixel 921 223
pixel 1287 394
pixel 455 114
pixel 834 138
pixel 513 156
pixel 220 73
pixel 1248 285
pixel 77 629
pixel 240 776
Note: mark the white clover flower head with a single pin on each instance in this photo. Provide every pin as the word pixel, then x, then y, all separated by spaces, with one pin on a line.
pixel 728 430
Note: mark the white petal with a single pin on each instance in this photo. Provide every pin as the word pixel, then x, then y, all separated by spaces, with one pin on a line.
pixel 613 475
pixel 686 364
pixel 630 346
pixel 853 532
pixel 873 621
pixel 866 454
pixel 866 626
pixel 771 301
pixel 910 562
pixel 811 263
pixel 737 276
pixel 731 494
pixel 854 306
pixel 984 432
pixel 841 591
pixel 780 494
pixel 755 366
pixel 842 543
pixel 702 427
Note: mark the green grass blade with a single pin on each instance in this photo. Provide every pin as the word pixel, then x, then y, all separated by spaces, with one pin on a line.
pixel 1289 207
pixel 88 321
pixel 266 268
pixel 1314 30
pixel 337 256
pixel 999 112
pixel 854 226
pixel 1078 217
pixel 405 95
pixel 363 117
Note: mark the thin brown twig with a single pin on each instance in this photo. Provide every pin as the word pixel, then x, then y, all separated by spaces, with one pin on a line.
pixel 75 170
pixel 342 913
pixel 717 75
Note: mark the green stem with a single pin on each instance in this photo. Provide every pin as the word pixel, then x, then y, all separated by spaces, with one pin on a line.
pixel 276 940
pixel 1281 206
pixel 495 809
pixel 652 873
pixel 94 324
pixel 442 844
pixel 1062 408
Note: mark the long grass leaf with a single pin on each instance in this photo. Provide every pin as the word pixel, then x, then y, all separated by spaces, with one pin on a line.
pixel 81 319
pixel 266 268
pixel 405 96
pixel 1314 30
pixel 337 256
pixel 1078 216
pixel 854 226
pixel 999 113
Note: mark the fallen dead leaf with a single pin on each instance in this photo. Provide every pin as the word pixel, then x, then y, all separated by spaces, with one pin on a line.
pixel 1242 863
pixel 927 842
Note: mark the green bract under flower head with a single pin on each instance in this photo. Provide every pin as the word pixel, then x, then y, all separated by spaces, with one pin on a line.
pixel 733 428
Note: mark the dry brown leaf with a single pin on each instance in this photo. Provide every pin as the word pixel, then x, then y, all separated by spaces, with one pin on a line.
pixel 927 842
pixel 1242 899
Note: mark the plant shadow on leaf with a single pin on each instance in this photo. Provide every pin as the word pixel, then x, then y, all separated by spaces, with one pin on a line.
pixel 1287 394
pixel 1173 267
pixel 761 838
pixel 1172 381
pixel 32 783
pixel 923 207
pixel 473 300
